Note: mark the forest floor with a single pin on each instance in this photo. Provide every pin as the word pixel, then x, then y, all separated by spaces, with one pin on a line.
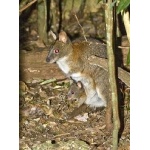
pixel 43 108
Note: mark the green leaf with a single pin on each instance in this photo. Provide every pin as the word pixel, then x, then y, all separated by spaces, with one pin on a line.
pixel 128 58
pixel 123 4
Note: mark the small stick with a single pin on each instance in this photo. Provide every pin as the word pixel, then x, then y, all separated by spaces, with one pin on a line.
pixel 80 26
pixel 28 5
pixel 121 47
pixel 61 135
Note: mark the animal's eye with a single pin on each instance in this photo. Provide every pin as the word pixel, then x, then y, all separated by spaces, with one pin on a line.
pixel 56 51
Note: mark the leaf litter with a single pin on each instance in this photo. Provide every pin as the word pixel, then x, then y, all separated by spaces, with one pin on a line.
pixel 43 124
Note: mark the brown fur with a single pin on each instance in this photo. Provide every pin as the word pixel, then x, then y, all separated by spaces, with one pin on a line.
pixel 72 58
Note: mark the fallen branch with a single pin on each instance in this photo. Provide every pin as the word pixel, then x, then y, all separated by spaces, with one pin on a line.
pixel 26 6
pixel 103 63
pixel 23 3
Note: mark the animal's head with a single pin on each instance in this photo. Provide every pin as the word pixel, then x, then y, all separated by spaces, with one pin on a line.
pixel 75 90
pixel 61 48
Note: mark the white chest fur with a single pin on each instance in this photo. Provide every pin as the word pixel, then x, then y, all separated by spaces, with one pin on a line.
pixel 77 76
pixel 63 65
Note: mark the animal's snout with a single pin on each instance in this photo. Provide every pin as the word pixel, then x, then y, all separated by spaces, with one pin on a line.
pixel 47 59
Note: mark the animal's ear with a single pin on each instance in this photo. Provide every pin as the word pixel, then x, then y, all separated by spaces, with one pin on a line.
pixel 63 37
pixel 79 84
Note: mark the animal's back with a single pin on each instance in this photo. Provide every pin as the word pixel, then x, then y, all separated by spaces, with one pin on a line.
pixel 90 47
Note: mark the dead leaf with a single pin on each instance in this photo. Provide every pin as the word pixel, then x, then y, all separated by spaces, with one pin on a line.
pixel 23 87
pixel 82 118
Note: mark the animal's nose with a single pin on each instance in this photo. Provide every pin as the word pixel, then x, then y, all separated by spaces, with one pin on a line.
pixel 47 59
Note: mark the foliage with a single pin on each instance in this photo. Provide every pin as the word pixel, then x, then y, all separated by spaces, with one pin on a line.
pixel 123 4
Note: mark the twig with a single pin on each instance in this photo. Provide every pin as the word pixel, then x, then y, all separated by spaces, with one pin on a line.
pixel 28 5
pixel 80 26
pixel 23 3
pixel 121 47
pixel 111 69
pixel 53 34
pixel 61 135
